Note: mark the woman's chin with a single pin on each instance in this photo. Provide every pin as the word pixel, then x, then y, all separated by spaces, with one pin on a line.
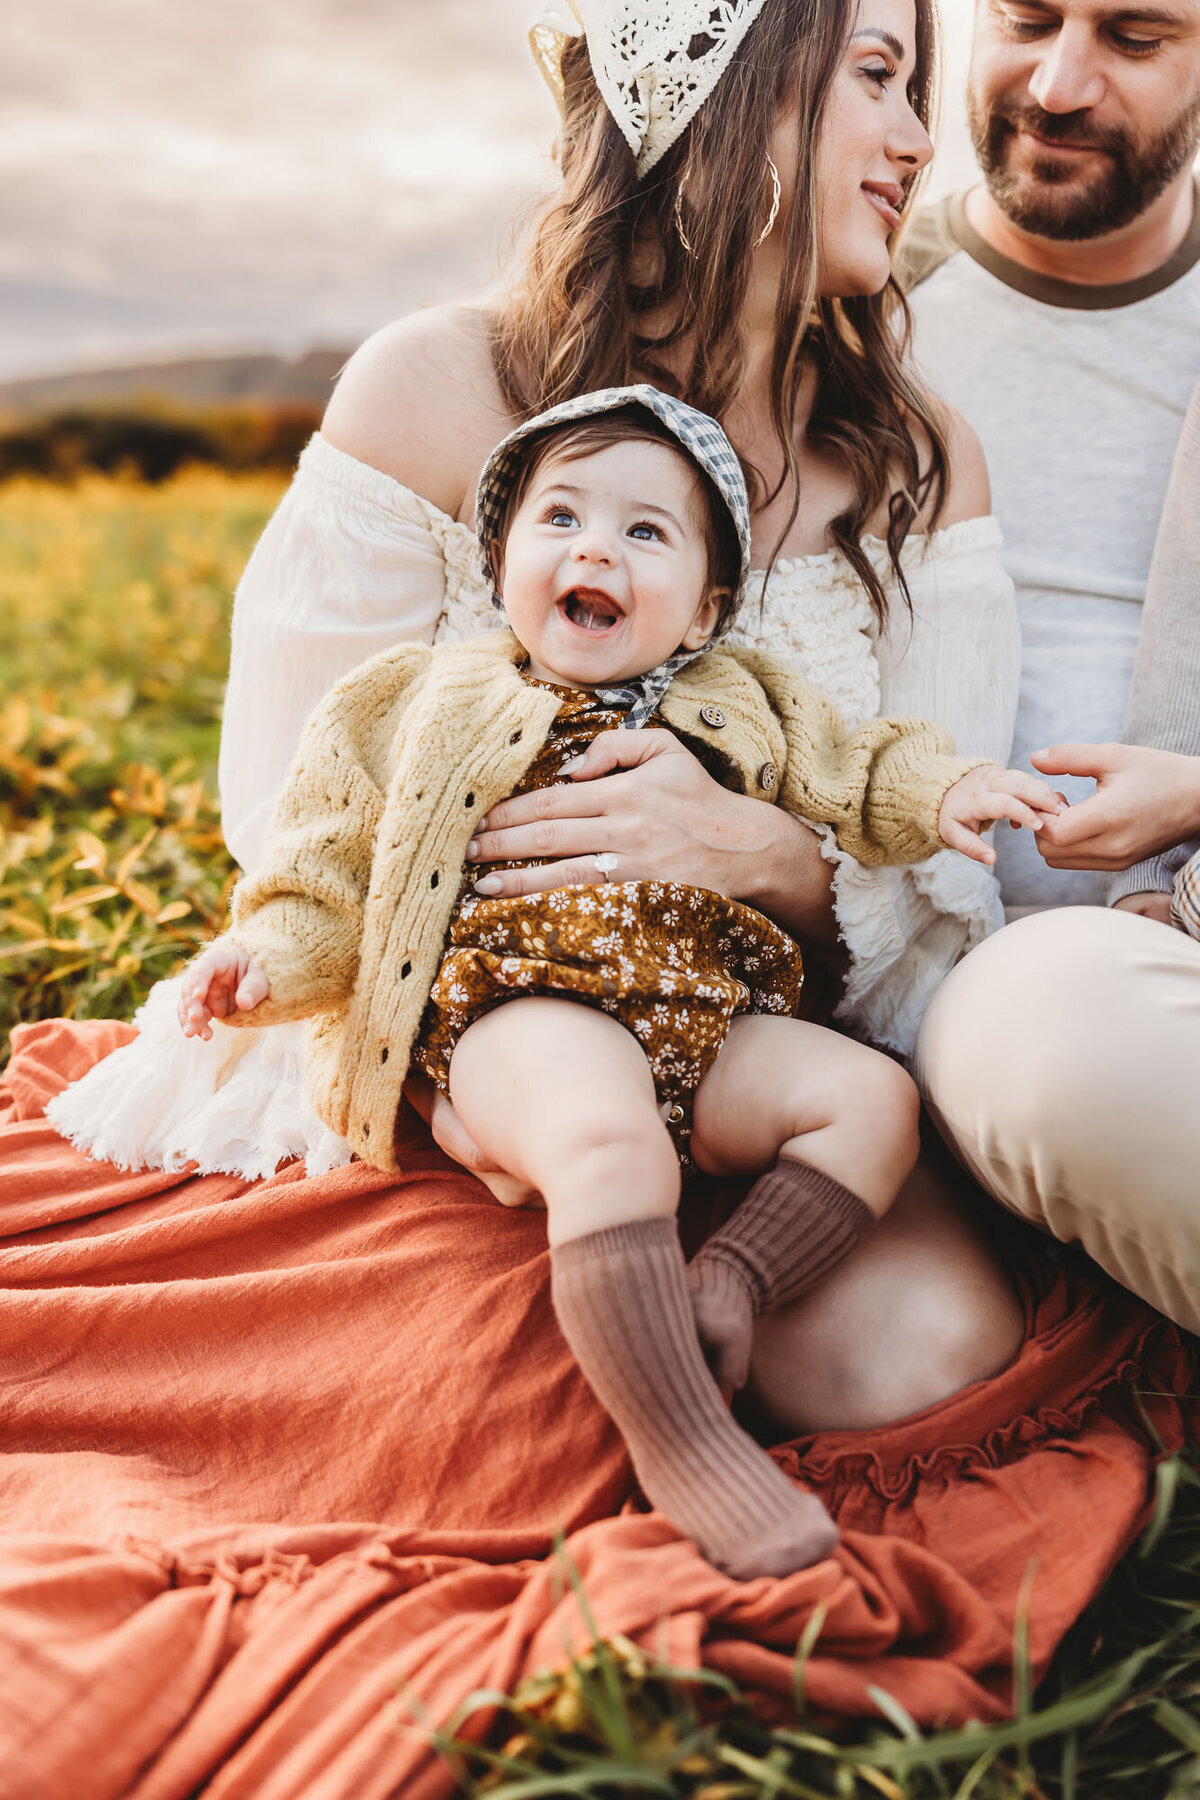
pixel 859 278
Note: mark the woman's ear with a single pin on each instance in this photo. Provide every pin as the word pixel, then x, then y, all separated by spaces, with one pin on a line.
pixel 708 615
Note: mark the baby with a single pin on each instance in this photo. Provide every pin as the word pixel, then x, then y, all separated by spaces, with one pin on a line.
pixel 590 1035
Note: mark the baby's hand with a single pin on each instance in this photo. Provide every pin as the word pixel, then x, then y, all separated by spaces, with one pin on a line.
pixel 989 793
pixel 221 980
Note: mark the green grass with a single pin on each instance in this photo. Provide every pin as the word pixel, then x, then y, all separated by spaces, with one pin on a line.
pixel 1117 1718
pixel 116 600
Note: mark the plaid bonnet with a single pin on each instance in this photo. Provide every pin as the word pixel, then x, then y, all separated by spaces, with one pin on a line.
pixel 699 436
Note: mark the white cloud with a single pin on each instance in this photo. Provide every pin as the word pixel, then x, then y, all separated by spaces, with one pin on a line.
pixel 280 170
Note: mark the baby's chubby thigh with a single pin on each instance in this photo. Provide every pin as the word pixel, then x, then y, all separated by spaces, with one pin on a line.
pixel 561 1095
pixel 784 1086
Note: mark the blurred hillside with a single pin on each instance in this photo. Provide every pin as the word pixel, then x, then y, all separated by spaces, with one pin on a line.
pixel 194 381
pixel 240 413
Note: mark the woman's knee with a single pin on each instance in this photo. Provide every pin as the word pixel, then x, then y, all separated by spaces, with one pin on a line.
pixel 921 1311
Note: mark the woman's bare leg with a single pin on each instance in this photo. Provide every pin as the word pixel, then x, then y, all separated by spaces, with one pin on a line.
pixel 922 1309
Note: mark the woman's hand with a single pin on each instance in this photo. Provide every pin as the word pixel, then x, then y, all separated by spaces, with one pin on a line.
pixel 222 980
pixel 455 1141
pixel 1146 801
pixel 986 794
pixel 641 797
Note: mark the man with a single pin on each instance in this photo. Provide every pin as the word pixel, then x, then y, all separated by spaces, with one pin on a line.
pixel 1058 307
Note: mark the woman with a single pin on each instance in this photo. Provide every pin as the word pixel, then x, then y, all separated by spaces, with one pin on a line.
pixel 276 1451
pixel 765 299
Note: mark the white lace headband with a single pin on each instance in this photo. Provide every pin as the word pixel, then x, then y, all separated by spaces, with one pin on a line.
pixel 655 61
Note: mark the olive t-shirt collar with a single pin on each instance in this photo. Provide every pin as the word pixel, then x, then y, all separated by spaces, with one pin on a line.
pixel 1079 296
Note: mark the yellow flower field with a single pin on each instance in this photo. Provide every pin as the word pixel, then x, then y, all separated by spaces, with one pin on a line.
pixel 115 598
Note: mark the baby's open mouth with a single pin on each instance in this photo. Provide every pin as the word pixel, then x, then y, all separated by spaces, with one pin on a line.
pixel 590 610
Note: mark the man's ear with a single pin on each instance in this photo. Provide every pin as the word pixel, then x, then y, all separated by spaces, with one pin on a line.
pixel 708 615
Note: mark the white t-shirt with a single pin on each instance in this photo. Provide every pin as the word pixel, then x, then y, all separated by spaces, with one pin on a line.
pixel 1078 395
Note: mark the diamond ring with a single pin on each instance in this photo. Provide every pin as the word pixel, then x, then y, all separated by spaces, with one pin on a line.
pixel 605 864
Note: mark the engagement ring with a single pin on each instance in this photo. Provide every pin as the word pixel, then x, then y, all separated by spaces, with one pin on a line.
pixel 605 864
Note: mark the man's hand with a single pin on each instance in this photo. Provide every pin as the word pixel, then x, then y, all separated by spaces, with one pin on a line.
pixel 1146 801
pixel 1151 905
pixel 222 980
pixel 989 793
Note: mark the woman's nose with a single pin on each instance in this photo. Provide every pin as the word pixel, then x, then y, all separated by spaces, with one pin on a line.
pixel 910 145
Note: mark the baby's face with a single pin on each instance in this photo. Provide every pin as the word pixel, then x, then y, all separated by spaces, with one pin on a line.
pixel 605 571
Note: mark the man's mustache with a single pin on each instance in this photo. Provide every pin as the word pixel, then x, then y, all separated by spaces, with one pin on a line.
pixel 1076 130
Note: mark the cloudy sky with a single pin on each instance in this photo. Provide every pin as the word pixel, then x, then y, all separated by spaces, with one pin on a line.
pixel 203 174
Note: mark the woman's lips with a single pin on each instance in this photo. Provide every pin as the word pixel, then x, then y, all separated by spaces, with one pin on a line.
pixel 887 197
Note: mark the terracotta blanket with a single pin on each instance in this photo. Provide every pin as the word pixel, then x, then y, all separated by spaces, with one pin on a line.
pixel 272 1454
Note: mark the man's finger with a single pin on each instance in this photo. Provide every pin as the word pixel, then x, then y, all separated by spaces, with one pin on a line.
pixel 1078 759
pixel 1079 824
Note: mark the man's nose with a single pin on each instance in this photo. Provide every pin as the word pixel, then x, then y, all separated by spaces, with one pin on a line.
pixel 1068 76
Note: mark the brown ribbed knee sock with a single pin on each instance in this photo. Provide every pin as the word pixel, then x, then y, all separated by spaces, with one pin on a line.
pixel 622 1301
pixel 793 1227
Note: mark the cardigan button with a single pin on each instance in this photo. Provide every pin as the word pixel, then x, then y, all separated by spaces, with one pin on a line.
pixel 768 776
pixel 712 715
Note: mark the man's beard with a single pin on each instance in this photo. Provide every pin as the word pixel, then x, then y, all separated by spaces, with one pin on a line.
pixel 1047 199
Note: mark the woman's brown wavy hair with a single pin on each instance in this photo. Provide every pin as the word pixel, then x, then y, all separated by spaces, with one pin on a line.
pixel 605 264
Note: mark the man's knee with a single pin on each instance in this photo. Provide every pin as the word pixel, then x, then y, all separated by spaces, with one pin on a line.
pixel 1057 1061
pixel 1042 1022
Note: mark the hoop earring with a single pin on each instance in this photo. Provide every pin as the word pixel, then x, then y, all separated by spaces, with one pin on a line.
pixel 764 234
pixel 776 191
pixel 684 239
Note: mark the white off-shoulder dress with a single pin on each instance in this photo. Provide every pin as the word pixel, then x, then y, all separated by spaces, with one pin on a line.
pixel 353 562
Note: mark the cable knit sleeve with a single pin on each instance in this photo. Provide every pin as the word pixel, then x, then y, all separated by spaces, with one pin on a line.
pixel 957 662
pixel 300 915
pixel 351 564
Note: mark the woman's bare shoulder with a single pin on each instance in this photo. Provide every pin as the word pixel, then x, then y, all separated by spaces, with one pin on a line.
pixel 420 401
pixel 969 489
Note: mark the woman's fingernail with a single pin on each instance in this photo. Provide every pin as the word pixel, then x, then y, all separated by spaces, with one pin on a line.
pixel 572 763
pixel 472 849
pixel 488 884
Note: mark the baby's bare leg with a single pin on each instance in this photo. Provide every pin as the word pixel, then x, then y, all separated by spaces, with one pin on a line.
pixel 835 1126
pixel 562 1096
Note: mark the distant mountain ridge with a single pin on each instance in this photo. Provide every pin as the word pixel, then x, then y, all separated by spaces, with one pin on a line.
pixel 196 381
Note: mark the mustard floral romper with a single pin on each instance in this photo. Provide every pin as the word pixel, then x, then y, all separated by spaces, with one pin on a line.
pixel 674 964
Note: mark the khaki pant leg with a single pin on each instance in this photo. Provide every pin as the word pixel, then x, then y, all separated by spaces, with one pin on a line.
pixel 1061 1059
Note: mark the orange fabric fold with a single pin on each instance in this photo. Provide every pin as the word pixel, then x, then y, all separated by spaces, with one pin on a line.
pixel 281 1465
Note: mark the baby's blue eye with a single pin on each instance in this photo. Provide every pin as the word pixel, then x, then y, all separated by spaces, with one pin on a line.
pixel 644 533
pixel 560 516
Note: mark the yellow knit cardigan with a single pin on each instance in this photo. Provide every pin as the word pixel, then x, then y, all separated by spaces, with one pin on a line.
pixel 349 913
